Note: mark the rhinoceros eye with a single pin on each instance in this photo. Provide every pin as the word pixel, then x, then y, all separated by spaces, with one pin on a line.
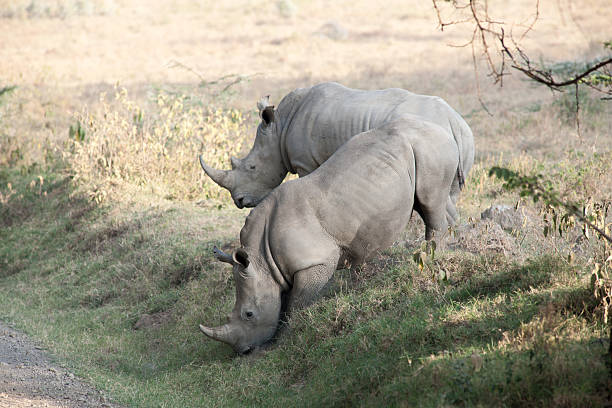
pixel 248 314
pixel 252 167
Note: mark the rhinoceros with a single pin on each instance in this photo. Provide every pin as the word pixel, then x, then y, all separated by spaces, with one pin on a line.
pixel 356 203
pixel 310 124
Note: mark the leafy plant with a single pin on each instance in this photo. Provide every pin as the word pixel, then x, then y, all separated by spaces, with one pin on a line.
pixel 560 215
pixel 76 132
pixel 569 103
pixel 7 90
pixel 538 188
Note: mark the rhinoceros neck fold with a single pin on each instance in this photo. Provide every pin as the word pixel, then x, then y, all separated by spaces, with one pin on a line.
pixel 282 132
pixel 275 271
pixel 287 110
pixel 255 235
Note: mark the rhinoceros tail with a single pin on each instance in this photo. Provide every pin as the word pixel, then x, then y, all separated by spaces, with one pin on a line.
pixel 460 177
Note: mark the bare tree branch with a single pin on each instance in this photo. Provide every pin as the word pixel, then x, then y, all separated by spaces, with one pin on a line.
pixel 490 38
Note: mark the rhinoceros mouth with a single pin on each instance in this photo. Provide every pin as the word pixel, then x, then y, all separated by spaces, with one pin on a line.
pixel 245 201
pixel 245 351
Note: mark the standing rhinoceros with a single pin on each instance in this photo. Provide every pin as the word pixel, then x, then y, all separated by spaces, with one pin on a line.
pixel 354 204
pixel 310 124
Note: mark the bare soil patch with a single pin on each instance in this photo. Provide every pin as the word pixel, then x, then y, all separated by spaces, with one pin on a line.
pixel 29 378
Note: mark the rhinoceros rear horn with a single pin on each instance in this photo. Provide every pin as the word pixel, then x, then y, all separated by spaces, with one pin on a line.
pixel 225 333
pixel 235 162
pixel 224 178
pixel 263 103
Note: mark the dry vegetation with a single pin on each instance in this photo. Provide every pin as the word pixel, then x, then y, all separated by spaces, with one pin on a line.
pixel 124 145
pixel 101 200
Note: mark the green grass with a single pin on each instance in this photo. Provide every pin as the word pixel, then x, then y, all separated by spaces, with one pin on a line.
pixel 500 332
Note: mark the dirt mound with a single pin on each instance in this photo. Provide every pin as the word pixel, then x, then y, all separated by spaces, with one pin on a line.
pixel 148 321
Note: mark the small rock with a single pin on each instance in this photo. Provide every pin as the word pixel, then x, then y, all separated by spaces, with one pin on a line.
pixel 507 217
pixel 483 236
pixel 333 30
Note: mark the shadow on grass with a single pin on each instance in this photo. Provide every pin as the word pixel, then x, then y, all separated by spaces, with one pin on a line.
pixel 532 274
pixel 94 269
pixel 390 334
pixel 482 312
pixel 37 216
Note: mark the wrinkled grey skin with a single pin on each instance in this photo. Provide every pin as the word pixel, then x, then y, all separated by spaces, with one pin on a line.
pixel 310 124
pixel 354 204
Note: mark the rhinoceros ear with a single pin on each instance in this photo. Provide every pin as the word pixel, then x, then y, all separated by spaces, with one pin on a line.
pixel 241 257
pixel 268 115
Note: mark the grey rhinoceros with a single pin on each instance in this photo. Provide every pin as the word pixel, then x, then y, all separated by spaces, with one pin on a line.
pixel 357 202
pixel 310 124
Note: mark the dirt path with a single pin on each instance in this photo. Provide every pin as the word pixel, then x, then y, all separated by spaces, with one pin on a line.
pixel 28 378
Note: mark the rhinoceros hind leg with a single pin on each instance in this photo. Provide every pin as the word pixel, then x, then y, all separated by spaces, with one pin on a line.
pixel 435 223
pixel 307 283
pixel 451 212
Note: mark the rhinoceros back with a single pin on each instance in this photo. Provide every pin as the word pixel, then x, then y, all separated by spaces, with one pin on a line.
pixel 325 116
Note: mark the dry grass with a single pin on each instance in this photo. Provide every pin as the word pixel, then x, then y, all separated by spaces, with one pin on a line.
pixel 154 150
pixel 61 66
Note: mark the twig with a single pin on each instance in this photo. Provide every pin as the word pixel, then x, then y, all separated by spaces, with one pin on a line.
pixel 578 113
pixel 175 64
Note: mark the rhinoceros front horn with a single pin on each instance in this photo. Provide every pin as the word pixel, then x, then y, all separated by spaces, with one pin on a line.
pixel 225 333
pixel 224 178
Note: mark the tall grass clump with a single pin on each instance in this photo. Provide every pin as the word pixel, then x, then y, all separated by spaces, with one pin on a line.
pixel 123 145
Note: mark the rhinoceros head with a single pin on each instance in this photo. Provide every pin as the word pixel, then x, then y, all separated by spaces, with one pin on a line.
pixel 256 313
pixel 256 175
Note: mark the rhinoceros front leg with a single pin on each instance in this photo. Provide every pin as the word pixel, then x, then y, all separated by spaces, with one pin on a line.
pixel 307 283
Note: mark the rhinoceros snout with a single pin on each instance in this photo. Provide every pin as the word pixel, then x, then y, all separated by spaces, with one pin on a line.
pixel 242 201
pixel 239 201
pixel 245 351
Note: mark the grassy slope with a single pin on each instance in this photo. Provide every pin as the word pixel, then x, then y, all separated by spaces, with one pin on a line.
pixel 504 331
pixel 78 277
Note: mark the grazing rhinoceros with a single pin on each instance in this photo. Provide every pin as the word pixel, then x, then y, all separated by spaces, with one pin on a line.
pixel 310 124
pixel 354 204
